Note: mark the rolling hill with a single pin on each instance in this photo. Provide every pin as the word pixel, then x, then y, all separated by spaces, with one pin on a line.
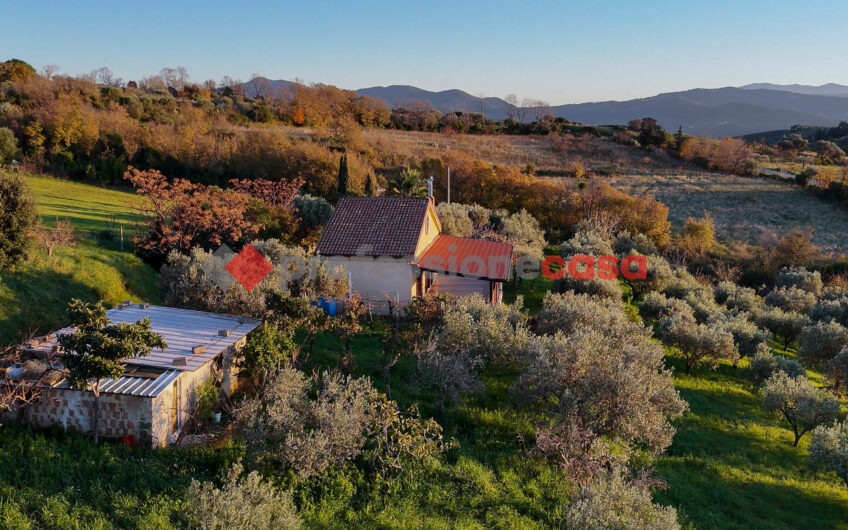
pixel 715 112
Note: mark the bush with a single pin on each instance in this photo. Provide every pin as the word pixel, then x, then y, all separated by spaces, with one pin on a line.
pixel 765 364
pixel 18 219
pixel 247 503
pixel 799 402
pixel 791 299
pixel 829 449
pixel 821 342
pixel 8 145
pixel 609 502
pixel 267 350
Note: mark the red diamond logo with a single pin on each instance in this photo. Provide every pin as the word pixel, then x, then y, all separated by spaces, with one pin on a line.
pixel 249 267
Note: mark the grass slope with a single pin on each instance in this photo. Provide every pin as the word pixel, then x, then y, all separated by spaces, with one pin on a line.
pixel 33 298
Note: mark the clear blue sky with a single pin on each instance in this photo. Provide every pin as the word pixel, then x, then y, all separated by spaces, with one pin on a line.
pixel 562 52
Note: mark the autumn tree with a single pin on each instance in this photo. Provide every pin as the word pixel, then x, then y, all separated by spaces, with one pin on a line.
pixel 800 403
pixel 96 349
pixel 182 214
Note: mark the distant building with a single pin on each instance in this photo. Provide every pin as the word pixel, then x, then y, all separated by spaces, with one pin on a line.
pixel 154 398
pixel 393 250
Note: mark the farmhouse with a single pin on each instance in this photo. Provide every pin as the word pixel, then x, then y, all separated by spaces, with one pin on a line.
pixel 155 397
pixel 393 250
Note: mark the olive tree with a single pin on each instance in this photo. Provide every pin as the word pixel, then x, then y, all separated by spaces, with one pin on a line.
pixel 765 364
pixel 266 350
pixel 455 219
pixel 609 502
pixel 522 231
pixel 800 403
pixel 657 306
pixel 241 503
pixel 831 310
pixel 786 325
pixel 568 312
pixel 822 342
pixel 746 335
pixel 837 369
pixel 791 299
pixel 698 342
pixel 801 278
pixel 737 297
pixel 614 383
pixel 450 373
pixel 829 448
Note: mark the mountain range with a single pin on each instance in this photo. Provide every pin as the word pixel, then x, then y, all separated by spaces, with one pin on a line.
pixel 713 112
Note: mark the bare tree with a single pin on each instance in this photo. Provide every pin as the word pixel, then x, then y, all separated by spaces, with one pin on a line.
pixel 481 101
pixel 526 103
pixel 22 381
pixel 182 77
pixel 49 70
pixel 541 109
pixel 260 86
pixel 62 235
pixel 169 77
pixel 210 84
pixel 511 106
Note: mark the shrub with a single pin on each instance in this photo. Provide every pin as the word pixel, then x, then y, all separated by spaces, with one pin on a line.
pixel 609 502
pixel 799 402
pixel 8 145
pixel 801 278
pixel 240 503
pixel 18 219
pixel 829 449
pixel 765 364
pixel 821 342
pixel 266 350
pixel 312 211
pixel 791 299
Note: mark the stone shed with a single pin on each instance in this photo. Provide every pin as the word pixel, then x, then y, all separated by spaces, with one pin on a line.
pixel 154 398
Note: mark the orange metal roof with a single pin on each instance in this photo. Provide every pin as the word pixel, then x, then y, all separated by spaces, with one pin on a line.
pixel 464 256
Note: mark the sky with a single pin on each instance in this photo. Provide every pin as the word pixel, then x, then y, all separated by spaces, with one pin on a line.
pixel 565 51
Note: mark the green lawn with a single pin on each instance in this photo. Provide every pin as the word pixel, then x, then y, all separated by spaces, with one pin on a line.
pixel 34 296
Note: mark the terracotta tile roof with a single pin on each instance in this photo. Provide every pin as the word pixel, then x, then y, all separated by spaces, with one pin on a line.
pixel 475 258
pixel 374 226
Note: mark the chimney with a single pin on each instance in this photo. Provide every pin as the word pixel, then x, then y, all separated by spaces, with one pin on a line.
pixel 430 190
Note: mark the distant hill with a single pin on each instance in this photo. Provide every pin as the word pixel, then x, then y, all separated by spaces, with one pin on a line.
pixel 830 89
pixel 714 112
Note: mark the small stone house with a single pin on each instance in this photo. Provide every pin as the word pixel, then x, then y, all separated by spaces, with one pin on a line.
pixel 393 250
pixel 155 397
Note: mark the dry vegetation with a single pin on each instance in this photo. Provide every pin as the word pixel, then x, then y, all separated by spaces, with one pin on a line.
pixel 744 208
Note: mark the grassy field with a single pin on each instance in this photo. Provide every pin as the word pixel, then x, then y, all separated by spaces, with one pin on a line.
pixel 744 208
pixel 33 298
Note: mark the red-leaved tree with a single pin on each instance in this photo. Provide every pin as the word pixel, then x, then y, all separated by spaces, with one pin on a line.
pixel 274 194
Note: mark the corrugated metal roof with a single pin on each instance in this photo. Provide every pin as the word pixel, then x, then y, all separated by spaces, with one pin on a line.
pixel 374 226
pixel 474 258
pixel 182 330
pixel 134 386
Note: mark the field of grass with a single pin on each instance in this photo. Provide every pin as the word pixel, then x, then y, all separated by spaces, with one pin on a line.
pixel 33 298
pixel 744 208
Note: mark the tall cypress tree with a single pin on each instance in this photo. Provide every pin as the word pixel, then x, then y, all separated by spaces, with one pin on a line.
pixel 343 176
pixel 370 185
